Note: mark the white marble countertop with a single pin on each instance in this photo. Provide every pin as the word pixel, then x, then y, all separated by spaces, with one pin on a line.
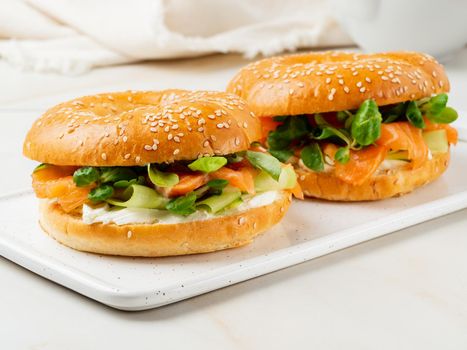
pixel 407 290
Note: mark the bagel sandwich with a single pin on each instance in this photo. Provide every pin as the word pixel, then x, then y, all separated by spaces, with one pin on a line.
pixel 155 173
pixel 355 127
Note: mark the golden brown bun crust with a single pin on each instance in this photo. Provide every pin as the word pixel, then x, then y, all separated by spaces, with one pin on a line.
pixel 162 240
pixel 136 128
pixel 393 183
pixel 330 81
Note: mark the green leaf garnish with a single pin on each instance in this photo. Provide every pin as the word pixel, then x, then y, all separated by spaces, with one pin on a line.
pixel 446 116
pixel 342 155
pixel 85 176
pixel 312 157
pixel 392 113
pixel 208 164
pixel 414 115
pixel 366 125
pixel 114 174
pixel 293 128
pixel 217 184
pixel 437 103
pixel 162 179
pixel 328 131
pixel 436 111
pixel 40 167
pixel 184 205
pixel 342 116
pixel 125 183
pixel 279 118
pixel 266 162
pixel 101 193
pixel 282 154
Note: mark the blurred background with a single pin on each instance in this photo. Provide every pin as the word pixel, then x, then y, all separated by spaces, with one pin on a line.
pixel 61 48
pixel 70 36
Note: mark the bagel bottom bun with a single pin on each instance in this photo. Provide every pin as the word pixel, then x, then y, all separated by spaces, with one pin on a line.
pixel 389 184
pixel 153 240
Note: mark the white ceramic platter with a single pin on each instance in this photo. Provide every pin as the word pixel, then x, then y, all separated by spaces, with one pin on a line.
pixel 309 230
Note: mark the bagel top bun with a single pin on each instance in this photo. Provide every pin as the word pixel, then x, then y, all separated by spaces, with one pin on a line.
pixel 320 82
pixel 139 127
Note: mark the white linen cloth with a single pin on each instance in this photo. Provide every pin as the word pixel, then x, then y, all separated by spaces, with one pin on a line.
pixel 72 36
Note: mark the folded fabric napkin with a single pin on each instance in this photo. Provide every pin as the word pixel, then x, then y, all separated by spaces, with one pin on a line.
pixel 70 36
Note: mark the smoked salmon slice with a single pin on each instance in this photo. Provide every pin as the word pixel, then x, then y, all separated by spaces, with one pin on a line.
pixel 361 165
pixel 404 136
pixel 451 133
pixel 68 195
pixel 241 178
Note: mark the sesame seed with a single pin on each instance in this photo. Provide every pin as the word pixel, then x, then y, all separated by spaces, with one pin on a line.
pixel 148 147
pixel 368 80
pixel 206 143
pixel 177 151
pixel 220 125
pixel 362 89
pixel 129 234
pixel 300 84
pixel 341 81
pixel 328 80
pixel 127 156
pixel 154 147
pixel 137 159
pixel 176 139
pixel 291 91
pixel 346 89
pixel 359 84
pixel 384 77
pixel 237 141
pixel 104 156
pixel 245 125
pixel 241 220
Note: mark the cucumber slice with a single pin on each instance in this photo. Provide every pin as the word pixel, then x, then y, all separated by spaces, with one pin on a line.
pixel 218 202
pixel 288 178
pixel 398 155
pixel 140 197
pixel 437 141
pixel 264 182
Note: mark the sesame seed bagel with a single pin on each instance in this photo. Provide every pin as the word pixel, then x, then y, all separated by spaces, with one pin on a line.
pixel 153 240
pixel 326 185
pixel 330 81
pixel 139 127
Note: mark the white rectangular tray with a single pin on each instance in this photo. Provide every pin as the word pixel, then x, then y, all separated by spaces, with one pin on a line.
pixel 309 230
